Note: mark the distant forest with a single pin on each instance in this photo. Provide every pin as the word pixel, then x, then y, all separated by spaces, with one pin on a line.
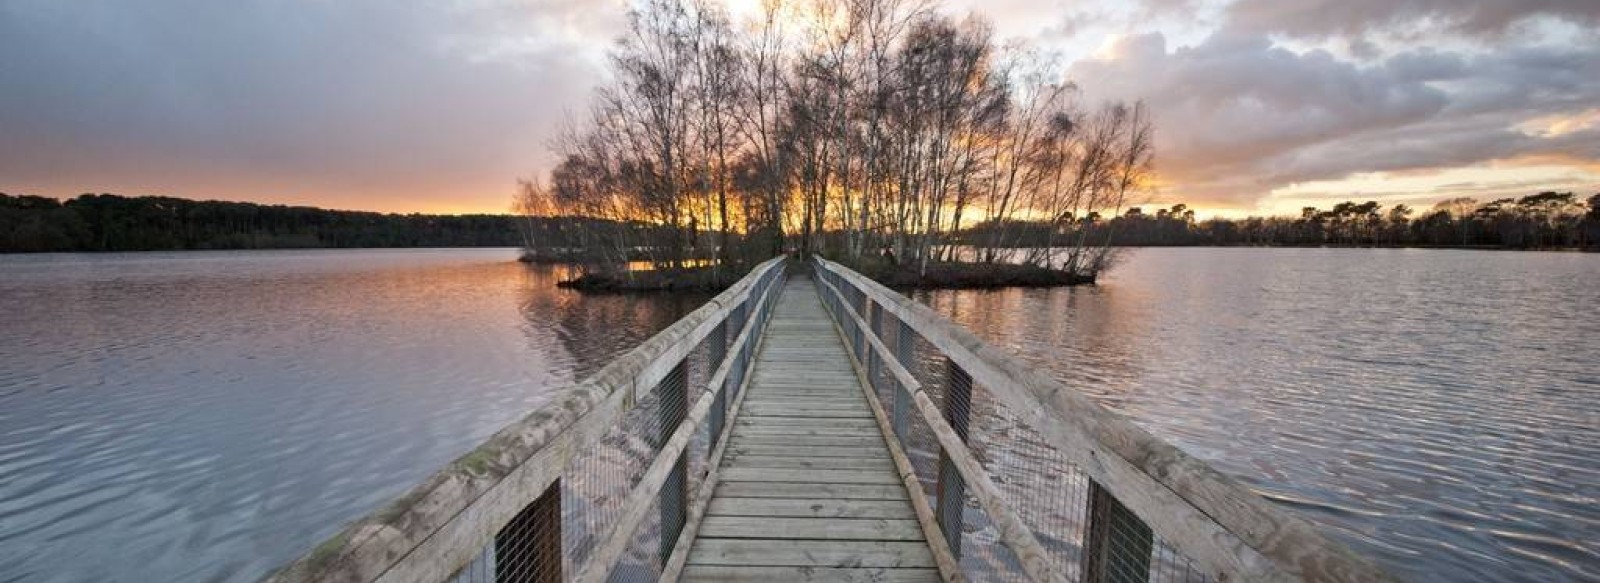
pixel 105 222
pixel 1547 220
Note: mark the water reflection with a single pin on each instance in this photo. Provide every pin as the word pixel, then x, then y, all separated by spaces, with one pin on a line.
pixel 1435 408
pixel 207 416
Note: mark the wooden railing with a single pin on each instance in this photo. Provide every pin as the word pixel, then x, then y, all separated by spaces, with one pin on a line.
pixel 1014 475
pixel 555 496
pixel 1101 500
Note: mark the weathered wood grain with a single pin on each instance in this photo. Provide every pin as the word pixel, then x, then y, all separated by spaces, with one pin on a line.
pixel 810 553
pixel 806 464
pixel 728 573
pixel 770 527
pixel 811 463
pixel 810 507
pixel 821 476
pixel 809 451
pixel 808 489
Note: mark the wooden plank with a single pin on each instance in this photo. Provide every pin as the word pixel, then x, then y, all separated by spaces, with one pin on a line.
pixel 943 557
pixel 802 393
pixel 791 412
pixel 806 468
pixel 816 392
pixel 839 403
pixel 804 451
pixel 818 389
pixel 810 528
pixel 794 424
pixel 812 553
pixel 821 476
pixel 811 463
pixel 672 569
pixel 849 397
pixel 807 378
pixel 729 573
pixel 821 440
pixel 811 489
pixel 814 507
pixel 750 420
pixel 760 406
pixel 805 431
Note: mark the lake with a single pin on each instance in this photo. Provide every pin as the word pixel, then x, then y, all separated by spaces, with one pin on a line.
pixel 206 416
pixel 1439 410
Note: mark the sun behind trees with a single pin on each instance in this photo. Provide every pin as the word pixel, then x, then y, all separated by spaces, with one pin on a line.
pixel 869 131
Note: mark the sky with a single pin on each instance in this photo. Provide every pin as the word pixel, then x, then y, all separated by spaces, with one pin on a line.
pixel 1261 106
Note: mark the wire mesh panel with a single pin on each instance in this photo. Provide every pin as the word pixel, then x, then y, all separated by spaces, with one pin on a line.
pixel 1057 502
pixel 600 479
pixel 984 556
pixel 642 560
pixel 1086 534
pixel 952 488
pixel 580 511
pixel 527 550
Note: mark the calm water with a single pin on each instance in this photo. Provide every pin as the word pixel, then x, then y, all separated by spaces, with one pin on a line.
pixel 1438 409
pixel 207 416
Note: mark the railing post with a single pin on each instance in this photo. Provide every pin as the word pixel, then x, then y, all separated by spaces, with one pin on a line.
pixel 672 410
pixel 528 549
pixel 716 353
pixel 1117 545
pixel 736 317
pixel 904 345
pixel 876 325
pixel 952 489
pixel 904 351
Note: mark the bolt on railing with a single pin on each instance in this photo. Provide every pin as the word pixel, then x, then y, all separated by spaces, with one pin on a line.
pixel 596 485
pixel 1030 480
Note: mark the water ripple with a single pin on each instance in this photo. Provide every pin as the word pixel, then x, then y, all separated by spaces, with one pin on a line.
pixel 209 416
pixel 1438 410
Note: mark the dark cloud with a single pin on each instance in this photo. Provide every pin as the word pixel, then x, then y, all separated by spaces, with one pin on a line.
pixel 1355 18
pixel 364 103
pixel 441 104
pixel 1238 116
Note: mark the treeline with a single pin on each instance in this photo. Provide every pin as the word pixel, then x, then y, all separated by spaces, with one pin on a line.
pixel 1545 220
pixel 851 128
pixel 105 222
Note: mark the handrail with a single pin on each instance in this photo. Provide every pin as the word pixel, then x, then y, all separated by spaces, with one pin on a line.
pixel 1013 531
pixel 1229 531
pixel 441 524
pixel 601 564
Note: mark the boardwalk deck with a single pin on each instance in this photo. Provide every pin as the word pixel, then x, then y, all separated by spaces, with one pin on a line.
pixel 807 490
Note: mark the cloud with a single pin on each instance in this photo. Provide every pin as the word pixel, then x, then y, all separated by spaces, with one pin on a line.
pixel 441 104
pixel 363 103
pixel 1239 116
pixel 1355 18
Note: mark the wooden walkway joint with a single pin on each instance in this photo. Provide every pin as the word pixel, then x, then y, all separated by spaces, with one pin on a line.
pixel 808 490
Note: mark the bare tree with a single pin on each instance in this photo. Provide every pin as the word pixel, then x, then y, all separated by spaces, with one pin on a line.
pixel 846 126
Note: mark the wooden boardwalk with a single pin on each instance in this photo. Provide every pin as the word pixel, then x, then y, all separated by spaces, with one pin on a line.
pixel 808 491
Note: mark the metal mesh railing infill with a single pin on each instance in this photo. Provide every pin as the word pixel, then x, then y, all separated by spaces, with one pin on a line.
pixel 594 487
pixel 1013 503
